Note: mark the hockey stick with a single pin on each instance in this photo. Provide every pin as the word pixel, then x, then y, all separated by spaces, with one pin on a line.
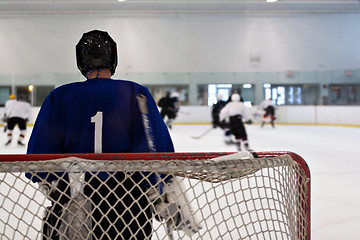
pixel 203 134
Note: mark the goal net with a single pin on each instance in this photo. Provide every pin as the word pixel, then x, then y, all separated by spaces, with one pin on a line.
pixel 258 195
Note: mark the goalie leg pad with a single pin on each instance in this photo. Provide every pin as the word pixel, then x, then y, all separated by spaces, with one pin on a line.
pixel 58 193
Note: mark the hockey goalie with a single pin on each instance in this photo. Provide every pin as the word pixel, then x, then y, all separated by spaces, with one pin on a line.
pixel 103 115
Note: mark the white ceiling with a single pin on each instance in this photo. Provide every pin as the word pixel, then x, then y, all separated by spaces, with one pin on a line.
pixel 133 7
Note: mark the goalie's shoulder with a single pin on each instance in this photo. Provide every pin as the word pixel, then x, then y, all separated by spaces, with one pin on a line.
pixel 131 84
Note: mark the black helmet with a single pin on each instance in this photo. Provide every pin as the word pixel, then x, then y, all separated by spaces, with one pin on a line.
pixel 96 49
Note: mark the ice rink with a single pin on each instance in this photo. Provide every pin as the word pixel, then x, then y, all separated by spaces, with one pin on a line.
pixel 332 154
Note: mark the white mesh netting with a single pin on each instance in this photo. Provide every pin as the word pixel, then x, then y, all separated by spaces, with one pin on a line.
pixel 258 198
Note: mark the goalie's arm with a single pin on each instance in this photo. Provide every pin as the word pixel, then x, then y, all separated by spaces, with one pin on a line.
pixel 46 137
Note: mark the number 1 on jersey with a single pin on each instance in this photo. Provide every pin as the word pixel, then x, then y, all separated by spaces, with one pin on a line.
pixel 98 120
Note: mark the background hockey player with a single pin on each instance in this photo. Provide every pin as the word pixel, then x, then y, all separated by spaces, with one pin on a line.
pixel 237 113
pixel 215 111
pixel 215 114
pixel 17 112
pixel 169 108
pixel 11 100
pixel 129 121
pixel 269 107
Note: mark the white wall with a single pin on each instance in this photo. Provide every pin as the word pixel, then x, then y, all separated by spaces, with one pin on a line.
pixel 186 43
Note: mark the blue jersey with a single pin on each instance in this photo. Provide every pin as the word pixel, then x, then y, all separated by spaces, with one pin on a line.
pixel 99 115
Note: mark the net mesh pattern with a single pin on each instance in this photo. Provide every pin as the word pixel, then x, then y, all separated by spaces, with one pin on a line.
pixel 260 198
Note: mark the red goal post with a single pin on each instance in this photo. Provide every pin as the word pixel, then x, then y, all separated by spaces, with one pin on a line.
pixel 229 196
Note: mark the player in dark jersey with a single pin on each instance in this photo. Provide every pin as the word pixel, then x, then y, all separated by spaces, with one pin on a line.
pixel 100 115
pixel 268 106
pixel 215 113
pixel 169 108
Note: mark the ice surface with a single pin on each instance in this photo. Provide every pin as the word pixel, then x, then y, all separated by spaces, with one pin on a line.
pixel 332 154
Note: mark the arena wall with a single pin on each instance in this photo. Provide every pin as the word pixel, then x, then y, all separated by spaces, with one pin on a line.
pixel 307 115
pixel 317 115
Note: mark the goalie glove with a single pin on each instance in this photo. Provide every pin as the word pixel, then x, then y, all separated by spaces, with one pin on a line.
pixel 173 207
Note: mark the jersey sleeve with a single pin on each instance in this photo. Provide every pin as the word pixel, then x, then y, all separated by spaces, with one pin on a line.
pixel 224 113
pixel 46 135
pixel 246 113
pixel 156 133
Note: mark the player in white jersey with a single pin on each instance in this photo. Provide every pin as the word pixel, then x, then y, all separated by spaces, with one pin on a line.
pixel 268 106
pixel 17 113
pixel 8 103
pixel 237 113
pixel 12 99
